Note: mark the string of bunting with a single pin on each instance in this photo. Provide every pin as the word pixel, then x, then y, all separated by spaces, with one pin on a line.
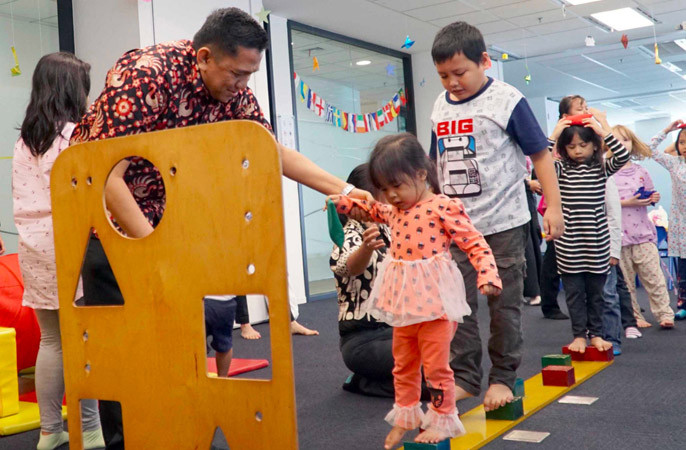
pixel 351 122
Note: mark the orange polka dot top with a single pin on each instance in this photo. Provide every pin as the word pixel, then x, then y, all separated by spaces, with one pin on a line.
pixel 417 282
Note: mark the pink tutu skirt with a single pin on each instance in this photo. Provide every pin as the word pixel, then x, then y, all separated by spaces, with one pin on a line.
pixel 410 292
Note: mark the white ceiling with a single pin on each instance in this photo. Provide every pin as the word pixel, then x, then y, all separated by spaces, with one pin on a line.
pixel 552 41
pixel 30 11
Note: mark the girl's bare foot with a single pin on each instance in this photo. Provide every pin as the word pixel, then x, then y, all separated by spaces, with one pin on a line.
pixel 248 332
pixel 394 437
pixel 643 323
pixel 431 436
pixel 496 396
pixel 600 343
pixel 666 324
pixel 578 345
pixel 296 328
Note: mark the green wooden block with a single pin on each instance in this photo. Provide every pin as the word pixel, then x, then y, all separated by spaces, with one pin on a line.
pixel 443 445
pixel 512 411
pixel 556 360
pixel 518 389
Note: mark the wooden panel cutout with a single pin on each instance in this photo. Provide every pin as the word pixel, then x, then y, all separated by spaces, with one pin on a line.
pixel 149 354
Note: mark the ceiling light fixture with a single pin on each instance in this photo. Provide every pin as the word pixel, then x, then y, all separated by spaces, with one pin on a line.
pixel 623 19
pixel 363 62
pixel 579 2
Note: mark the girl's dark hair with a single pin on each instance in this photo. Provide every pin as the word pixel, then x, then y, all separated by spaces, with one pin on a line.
pixel 676 142
pixel 397 158
pixel 229 28
pixel 59 94
pixel 359 178
pixel 566 103
pixel 586 134
pixel 458 37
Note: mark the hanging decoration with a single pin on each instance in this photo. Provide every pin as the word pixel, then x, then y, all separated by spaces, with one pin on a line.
pixel 351 122
pixel 504 56
pixel 315 64
pixel 625 41
pixel 590 41
pixel 262 15
pixel 422 83
pixel 15 71
pixel 527 77
pixel 408 42
pixel 390 70
pixel 657 55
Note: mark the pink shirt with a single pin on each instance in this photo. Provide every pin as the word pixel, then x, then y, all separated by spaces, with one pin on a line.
pixel 636 226
pixel 33 219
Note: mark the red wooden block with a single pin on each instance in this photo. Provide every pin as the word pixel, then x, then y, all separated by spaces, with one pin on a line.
pixel 558 376
pixel 576 356
pixel 593 354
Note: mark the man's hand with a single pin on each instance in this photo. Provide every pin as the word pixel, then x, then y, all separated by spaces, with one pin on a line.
pixel 553 223
pixel 490 290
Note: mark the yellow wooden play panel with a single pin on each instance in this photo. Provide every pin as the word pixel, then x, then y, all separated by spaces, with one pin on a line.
pixel 481 431
pixel 223 215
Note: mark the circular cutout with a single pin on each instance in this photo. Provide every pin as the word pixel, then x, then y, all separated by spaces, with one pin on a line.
pixel 87 367
pixel 85 335
pixel 89 181
pixel 245 163
pixel 248 216
pixel 74 182
pixel 258 416
pixel 172 171
pixel 251 269
pixel 146 185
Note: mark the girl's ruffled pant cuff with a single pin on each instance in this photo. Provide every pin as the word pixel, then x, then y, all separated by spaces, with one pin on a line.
pixel 408 417
pixel 450 424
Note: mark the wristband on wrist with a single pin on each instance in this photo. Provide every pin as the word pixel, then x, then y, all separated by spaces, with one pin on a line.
pixel 347 189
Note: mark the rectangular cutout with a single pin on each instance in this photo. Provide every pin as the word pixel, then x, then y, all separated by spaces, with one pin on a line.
pixel 577 400
pixel 106 413
pixel 526 436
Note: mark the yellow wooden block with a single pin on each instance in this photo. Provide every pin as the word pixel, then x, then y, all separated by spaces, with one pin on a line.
pixel 9 386
pixel 481 431
pixel 149 354
pixel 26 419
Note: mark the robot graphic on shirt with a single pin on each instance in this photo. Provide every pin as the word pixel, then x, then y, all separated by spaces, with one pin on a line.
pixel 457 162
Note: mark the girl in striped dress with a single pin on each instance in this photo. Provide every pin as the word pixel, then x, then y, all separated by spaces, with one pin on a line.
pixel 583 251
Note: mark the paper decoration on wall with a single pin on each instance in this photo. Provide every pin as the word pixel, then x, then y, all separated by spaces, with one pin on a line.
pixel 262 15
pixel 657 55
pixel 15 71
pixel 408 42
pixel 390 70
pixel 625 41
pixel 315 64
pixel 504 56
pixel 590 41
pixel 527 78
pixel 422 83
pixel 351 122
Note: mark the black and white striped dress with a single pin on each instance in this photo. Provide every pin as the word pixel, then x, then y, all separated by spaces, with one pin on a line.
pixel 585 244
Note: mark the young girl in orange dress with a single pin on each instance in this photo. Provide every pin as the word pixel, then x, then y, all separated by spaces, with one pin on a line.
pixel 419 289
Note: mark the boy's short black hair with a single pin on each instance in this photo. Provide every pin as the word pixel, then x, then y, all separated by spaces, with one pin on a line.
pixel 229 28
pixel 458 37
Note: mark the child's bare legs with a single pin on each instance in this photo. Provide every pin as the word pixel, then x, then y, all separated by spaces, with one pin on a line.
pixel 600 343
pixel 297 328
pixel 248 332
pixel 224 363
pixel 496 396
pixel 461 394
pixel 578 345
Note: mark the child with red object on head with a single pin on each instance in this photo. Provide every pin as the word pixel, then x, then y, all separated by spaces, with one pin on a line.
pixel 419 289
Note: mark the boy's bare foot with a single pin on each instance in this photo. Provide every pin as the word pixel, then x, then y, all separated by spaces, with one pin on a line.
pixel 600 343
pixel 496 396
pixel 578 345
pixel 461 394
pixel 248 332
pixel 431 436
pixel 296 328
pixel 394 437
pixel 643 323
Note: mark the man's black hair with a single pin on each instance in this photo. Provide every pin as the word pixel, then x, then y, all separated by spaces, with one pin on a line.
pixel 229 28
pixel 458 37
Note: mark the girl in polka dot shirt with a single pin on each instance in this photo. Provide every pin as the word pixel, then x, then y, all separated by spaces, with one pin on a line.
pixel 419 289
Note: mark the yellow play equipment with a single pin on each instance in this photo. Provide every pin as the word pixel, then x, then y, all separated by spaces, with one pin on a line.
pixel 222 232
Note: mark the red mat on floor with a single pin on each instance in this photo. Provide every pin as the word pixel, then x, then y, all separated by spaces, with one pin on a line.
pixel 238 365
